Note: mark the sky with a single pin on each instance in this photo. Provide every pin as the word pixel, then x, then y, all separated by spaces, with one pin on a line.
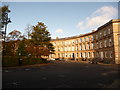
pixel 63 19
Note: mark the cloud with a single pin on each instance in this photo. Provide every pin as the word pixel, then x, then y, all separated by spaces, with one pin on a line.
pixel 99 17
pixel 59 30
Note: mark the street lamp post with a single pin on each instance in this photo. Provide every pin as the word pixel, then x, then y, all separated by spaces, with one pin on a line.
pixel 5 21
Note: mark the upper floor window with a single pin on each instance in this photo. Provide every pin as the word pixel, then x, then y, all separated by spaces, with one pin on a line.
pixel 84 39
pixel 104 33
pixel 81 40
pixel 88 46
pixel 109 31
pixel 84 47
pixel 63 43
pixel 65 48
pixel 110 42
pixel 92 37
pixel 76 48
pixel 72 41
pixel 76 41
pixel 80 47
pixel 96 36
pixel 58 49
pixel 68 48
pixel 100 34
pixel 97 45
pixel 105 43
pixel 100 44
pixel 68 42
pixel 92 45
pixel 89 38
pixel 54 44
pixel 72 48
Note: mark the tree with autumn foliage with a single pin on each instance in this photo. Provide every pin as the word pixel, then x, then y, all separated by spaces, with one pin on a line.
pixel 12 41
pixel 40 41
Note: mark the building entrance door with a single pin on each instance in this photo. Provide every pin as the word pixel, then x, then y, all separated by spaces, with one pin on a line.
pixel 73 55
pixel 101 55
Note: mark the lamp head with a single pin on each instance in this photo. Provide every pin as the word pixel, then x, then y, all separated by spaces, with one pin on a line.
pixel 9 21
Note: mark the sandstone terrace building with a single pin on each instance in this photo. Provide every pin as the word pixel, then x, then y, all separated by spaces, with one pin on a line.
pixel 103 43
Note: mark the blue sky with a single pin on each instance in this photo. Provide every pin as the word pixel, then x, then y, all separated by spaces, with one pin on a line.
pixel 63 19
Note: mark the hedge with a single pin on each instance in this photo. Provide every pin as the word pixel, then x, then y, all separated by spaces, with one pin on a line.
pixel 10 61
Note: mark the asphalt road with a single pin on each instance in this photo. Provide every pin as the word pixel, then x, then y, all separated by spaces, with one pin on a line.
pixel 61 74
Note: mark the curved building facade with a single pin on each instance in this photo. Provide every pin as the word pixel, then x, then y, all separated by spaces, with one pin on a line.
pixel 103 43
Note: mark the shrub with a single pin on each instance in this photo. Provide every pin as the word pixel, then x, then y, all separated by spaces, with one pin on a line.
pixel 10 61
pixel 108 61
pixel 31 60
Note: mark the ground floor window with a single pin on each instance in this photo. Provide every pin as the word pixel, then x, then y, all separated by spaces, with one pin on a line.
pixel 84 55
pixel 80 54
pixel 93 55
pixel 88 54
pixel 65 55
pixel 59 55
pixel 105 54
pixel 69 55
pixel 111 54
pixel 77 55
pixel 101 55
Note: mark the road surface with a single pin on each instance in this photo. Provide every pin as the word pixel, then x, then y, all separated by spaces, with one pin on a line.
pixel 61 74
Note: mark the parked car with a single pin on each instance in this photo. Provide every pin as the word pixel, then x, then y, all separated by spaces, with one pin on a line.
pixel 57 58
pixel 94 61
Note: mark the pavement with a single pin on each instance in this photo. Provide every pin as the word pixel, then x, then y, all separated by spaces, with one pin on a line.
pixel 62 74
pixel 29 66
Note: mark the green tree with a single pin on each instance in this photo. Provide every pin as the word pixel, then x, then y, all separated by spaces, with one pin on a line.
pixel 40 40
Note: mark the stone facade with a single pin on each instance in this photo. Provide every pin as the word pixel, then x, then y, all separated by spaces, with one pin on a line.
pixel 103 43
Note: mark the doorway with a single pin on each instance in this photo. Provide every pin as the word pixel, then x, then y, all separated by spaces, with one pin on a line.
pixel 73 55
